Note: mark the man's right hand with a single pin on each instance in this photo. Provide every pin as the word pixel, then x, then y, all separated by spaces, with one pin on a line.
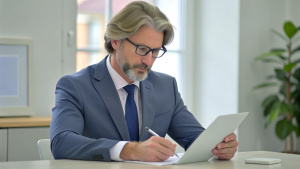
pixel 153 149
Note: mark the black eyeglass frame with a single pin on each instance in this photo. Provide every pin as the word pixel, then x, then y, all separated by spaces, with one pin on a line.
pixel 152 50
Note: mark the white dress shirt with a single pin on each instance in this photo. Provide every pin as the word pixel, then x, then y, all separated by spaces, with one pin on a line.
pixel 120 83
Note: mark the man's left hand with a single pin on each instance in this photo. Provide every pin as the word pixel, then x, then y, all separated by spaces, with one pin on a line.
pixel 226 149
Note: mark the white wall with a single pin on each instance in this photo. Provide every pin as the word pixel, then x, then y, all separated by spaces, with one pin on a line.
pixel 215 59
pixel 47 24
pixel 227 37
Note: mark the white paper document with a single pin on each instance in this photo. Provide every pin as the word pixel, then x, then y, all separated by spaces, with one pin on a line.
pixel 201 148
pixel 169 161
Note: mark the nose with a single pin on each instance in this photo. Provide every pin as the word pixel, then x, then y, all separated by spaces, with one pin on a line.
pixel 148 59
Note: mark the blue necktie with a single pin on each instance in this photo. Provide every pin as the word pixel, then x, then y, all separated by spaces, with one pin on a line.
pixel 131 114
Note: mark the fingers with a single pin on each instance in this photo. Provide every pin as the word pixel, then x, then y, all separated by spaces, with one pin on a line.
pixel 161 148
pixel 224 154
pixel 230 137
pixel 227 148
pixel 153 149
pixel 164 146
pixel 223 145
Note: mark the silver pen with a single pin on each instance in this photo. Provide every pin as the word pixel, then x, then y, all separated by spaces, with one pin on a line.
pixel 154 134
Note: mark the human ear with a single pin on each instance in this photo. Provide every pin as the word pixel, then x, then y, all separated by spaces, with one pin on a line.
pixel 115 43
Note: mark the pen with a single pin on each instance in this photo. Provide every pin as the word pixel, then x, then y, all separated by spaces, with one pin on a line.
pixel 154 134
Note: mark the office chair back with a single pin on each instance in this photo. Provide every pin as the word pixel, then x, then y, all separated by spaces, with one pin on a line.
pixel 44 149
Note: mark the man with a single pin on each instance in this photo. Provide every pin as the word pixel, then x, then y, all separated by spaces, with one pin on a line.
pixel 96 117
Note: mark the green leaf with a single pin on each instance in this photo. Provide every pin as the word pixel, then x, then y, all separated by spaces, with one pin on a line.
pixel 290 108
pixel 268 84
pixel 278 52
pixel 268 104
pixel 271 61
pixel 283 129
pixel 275 112
pixel 279 34
pixel 269 54
pixel 270 99
pixel 277 49
pixel 289 29
pixel 298 120
pixel 281 75
pixel 296 74
pixel 282 89
pixel 286 108
pixel 296 102
pixel 295 94
pixel 297 130
pixel 289 67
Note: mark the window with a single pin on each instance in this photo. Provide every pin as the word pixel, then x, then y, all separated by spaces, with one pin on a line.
pixel 92 18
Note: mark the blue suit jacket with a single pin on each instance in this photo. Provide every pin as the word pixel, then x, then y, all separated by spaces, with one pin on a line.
pixel 88 118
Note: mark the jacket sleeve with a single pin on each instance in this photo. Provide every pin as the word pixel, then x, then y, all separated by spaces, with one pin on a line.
pixel 184 127
pixel 67 125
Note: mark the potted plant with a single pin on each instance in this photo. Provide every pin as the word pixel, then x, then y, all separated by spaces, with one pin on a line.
pixel 283 106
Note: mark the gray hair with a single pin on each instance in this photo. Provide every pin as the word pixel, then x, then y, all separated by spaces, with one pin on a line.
pixel 131 18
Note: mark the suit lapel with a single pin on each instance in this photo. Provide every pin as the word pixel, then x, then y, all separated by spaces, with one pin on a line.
pixel 148 107
pixel 107 90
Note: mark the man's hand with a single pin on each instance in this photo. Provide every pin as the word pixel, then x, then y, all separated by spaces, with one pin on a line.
pixel 153 149
pixel 226 149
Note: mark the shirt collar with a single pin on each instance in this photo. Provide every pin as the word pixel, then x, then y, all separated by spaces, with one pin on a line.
pixel 117 79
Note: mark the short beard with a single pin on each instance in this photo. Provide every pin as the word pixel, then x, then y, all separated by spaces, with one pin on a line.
pixel 131 74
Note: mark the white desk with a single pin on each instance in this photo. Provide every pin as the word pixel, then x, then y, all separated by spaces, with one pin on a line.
pixel 289 161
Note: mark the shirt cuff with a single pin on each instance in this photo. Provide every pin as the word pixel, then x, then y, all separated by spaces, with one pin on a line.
pixel 116 150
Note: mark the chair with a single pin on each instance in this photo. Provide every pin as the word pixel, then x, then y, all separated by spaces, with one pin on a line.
pixel 44 149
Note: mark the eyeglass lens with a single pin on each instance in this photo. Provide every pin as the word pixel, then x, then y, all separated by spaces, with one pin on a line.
pixel 143 50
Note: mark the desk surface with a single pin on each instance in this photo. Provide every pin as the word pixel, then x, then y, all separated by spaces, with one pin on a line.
pixel 9 122
pixel 289 161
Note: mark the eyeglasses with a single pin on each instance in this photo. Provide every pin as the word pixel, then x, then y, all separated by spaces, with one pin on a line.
pixel 144 50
